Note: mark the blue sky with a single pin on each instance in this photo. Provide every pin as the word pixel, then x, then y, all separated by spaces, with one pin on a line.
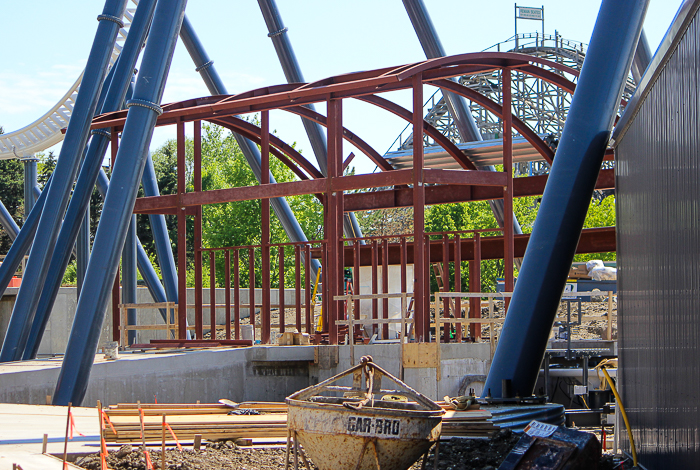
pixel 45 45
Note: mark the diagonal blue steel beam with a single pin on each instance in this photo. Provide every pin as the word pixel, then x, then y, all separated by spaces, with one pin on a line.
pixel 205 66
pixel 566 197
pixel 116 91
pixel 144 108
pixel 292 71
pixel 64 175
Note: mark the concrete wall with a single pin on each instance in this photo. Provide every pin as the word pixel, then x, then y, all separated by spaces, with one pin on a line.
pixel 61 320
pixel 260 373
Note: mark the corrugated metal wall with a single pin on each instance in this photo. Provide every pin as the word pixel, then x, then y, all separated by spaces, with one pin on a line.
pixel 658 230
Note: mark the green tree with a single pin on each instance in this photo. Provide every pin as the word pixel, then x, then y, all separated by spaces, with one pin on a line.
pixel 11 195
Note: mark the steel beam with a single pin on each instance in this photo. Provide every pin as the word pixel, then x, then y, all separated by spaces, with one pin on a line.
pixel 119 202
pixel 59 191
pixel 7 222
pixel 29 183
pixel 567 196
pixel 90 172
pixel 129 277
pixel 642 58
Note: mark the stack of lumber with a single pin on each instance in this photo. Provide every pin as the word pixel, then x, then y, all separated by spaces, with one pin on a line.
pixel 211 421
pixel 471 423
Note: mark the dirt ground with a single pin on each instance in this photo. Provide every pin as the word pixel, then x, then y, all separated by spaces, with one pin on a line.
pixel 214 456
pixel 457 454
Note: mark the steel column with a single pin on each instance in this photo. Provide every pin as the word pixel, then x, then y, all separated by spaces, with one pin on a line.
pixel 8 223
pixel 508 241
pixel 59 191
pixel 265 226
pixel 29 183
pixel 119 202
pixel 197 248
pixel 420 288
pixel 182 236
pixel 129 277
pixel 567 196
pixel 90 172
pixel 642 58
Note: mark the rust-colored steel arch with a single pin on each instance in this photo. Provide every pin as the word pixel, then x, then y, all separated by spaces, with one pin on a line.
pixel 226 123
pixel 351 137
pixel 443 141
pixel 497 109
pixel 252 131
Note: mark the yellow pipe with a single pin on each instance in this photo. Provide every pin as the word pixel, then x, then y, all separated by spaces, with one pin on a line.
pixel 624 415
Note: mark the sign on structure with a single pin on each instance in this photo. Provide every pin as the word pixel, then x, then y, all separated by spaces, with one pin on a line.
pixel 527 13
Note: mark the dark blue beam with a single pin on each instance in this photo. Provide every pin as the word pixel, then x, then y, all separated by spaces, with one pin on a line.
pixel 119 203
pixel 566 197
pixel 64 174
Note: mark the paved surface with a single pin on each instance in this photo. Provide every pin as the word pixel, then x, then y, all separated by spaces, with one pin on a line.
pixel 22 428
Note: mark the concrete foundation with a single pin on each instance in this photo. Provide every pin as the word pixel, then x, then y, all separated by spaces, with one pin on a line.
pixel 259 373
pixel 61 320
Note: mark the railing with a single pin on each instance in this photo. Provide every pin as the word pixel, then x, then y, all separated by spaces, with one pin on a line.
pixel 235 269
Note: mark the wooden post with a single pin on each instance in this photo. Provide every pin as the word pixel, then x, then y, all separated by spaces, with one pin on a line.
pixel 197 442
pixel 65 444
pixel 162 451
pixel 44 443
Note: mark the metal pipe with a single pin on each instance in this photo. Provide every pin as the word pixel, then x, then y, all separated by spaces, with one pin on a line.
pixel 118 207
pixel 567 196
pixel 292 71
pixel 90 172
pixel 642 58
pixel 456 105
pixel 82 248
pixel 65 172
pixel 205 67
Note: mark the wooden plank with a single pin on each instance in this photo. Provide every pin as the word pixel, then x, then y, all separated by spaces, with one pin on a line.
pixel 418 355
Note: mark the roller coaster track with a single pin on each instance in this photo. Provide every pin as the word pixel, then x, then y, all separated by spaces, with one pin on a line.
pixel 46 132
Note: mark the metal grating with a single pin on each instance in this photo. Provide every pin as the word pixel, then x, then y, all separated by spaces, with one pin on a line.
pixel 658 249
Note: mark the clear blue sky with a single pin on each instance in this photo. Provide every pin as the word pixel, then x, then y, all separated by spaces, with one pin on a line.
pixel 44 46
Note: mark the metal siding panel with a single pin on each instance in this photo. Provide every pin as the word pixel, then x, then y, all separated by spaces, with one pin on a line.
pixel 658 189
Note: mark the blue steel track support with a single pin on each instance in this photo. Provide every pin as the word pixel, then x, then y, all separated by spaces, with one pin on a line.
pixel 116 89
pixel 457 105
pixel 205 66
pixel 566 197
pixel 59 190
pixel 642 58
pixel 21 243
pixel 129 276
pixel 119 203
pixel 292 71
pixel 29 183
pixel 7 222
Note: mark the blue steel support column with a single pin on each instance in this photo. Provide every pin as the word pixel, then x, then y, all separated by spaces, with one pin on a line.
pixel 8 223
pixel 159 228
pixel 292 71
pixel 566 197
pixel 29 183
pixel 82 247
pixel 642 58
pixel 129 276
pixel 59 190
pixel 205 66
pixel 22 242
pixel 457 105
pixel 119 203
pixel 112 99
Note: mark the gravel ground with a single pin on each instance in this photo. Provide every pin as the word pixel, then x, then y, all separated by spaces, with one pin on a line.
pixel 214 456
pixel 473 454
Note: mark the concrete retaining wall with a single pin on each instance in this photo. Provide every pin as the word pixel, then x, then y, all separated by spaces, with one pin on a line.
pixel 260 373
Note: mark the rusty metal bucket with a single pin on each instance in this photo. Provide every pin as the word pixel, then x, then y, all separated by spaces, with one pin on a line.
pixel 352 427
